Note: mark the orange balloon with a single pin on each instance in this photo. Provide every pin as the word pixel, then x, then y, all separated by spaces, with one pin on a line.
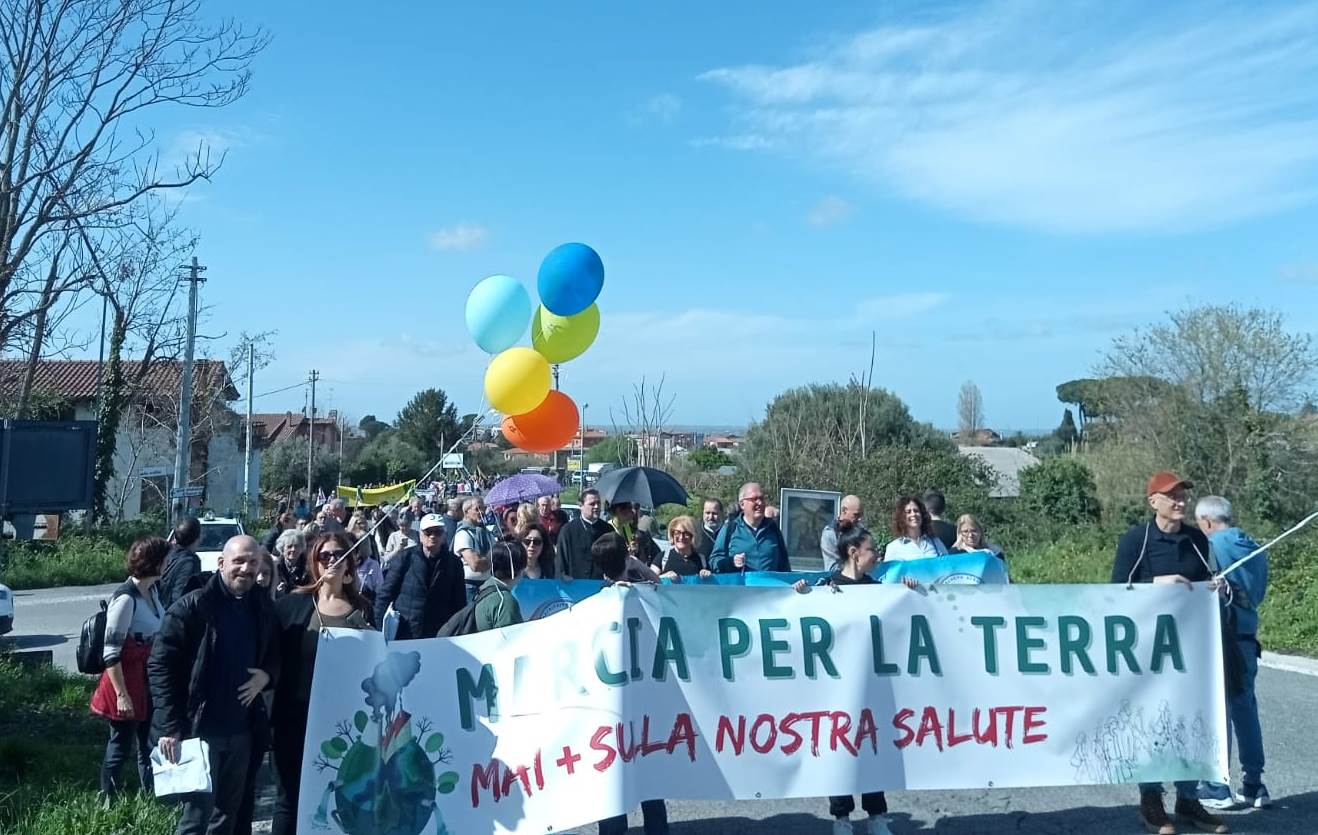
pixel 550 426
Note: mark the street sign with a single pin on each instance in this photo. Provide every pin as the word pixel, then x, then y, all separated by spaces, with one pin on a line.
pixel 189 492
pixel 452 461
pixel 155 472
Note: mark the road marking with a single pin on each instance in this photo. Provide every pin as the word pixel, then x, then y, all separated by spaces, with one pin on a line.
pixel 23 598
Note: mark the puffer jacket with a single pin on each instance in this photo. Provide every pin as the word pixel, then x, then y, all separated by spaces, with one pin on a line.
pixel 177 669
pixel 424 591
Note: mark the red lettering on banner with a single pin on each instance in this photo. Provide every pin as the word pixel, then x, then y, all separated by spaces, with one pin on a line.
pixel 953 740
pixel 737 737
pixel 683 732
pixel 773 733
pixel 539 772
pixel 1032 723
pixel 899 722
pixel 485 778
pixel 788 728
pixel 1010 713
pixel 841 727
pixel 867 729
pixel 597 744
pixel 648 747
pixel 985 736
pixel 929 724
pixel 627 752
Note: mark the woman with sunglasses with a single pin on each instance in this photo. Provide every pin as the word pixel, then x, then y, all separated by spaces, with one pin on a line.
pixel 330 598
pixel 682 560
pixel 539 551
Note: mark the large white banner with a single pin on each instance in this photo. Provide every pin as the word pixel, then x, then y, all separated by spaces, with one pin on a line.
pixel 715 693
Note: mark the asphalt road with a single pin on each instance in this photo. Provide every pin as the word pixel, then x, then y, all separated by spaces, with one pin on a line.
pixel 49 619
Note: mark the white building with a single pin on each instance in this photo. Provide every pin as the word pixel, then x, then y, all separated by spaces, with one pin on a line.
pixel 146 436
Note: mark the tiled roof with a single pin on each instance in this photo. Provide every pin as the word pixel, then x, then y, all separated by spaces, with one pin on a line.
pixel 75 380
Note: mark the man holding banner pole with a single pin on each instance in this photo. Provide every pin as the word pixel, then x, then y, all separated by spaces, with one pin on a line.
pixel 1166 550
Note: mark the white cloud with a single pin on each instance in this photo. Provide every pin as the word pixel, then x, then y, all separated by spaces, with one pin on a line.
pixel 1300 273
pixel 1080 119
pixel 209 145
pixel 830 211
pixel 460 238
pixel 664 108
pixel 898 306
pixel 741 142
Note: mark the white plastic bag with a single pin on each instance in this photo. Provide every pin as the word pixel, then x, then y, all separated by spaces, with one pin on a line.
pixel 191 774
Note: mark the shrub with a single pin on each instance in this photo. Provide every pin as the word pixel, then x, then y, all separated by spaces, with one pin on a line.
pixel 1060 492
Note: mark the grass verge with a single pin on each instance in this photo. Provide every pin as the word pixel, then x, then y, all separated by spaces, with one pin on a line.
pixel 50 752
pixel 1288 619
pixel 78 558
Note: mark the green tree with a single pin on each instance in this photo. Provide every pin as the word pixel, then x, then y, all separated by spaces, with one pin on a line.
pixel 708 458
pixel 372 427
pixel 284 466
pixel 387 459
pixel 430 423
pixel 817 434
pixel 614 449
pixel 1060 491
pixel 1066 432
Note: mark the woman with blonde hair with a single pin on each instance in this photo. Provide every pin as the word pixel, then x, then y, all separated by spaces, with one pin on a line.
pixel 682 560
pixel 970 537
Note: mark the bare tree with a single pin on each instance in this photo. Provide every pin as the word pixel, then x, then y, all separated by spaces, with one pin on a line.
pixel 969 411
pixel 78 83
pixel 645 413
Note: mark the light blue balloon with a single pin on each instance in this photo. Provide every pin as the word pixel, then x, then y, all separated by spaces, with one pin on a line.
pixel 570 279
pixel 498 313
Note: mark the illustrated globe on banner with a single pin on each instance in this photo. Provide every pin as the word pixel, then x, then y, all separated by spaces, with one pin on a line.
pixel 517 381
pixel 548 427
pixel 570 279
pixel 498 311
pixel 563 338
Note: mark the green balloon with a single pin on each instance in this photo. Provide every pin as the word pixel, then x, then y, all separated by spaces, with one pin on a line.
pixel 562 338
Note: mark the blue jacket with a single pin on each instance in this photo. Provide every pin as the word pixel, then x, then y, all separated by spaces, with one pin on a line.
pixel 764 547
pixel 1249 582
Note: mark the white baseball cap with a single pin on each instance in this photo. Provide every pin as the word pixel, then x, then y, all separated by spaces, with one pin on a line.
pixel 431 520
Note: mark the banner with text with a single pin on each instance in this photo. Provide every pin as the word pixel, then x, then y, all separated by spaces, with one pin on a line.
pixel 706 692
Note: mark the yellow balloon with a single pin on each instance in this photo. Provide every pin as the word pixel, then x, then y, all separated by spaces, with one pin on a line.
pixel 563 338
pixel 517 381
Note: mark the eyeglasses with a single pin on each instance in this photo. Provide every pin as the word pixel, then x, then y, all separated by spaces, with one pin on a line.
pixel 753 499
pixel 532 540
pixel 330 556
pixel 432 532
pixel 682 534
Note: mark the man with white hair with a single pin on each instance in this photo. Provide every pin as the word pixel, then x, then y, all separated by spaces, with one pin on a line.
pixel 1246 587
pixel 336 515
pixel 849 514
pixel 750 541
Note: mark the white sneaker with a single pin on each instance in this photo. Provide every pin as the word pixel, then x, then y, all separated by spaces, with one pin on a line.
pixel 842 826
pixel 877 825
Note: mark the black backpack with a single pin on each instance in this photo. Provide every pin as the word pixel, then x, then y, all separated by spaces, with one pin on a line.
pixel 463 621
pixel 91 643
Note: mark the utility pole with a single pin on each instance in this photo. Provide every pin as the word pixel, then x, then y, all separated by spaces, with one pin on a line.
pixel 183 446
pixel 555 370
pixel 247 455
pixel 582 448
pixel 341 424
pixel 311 438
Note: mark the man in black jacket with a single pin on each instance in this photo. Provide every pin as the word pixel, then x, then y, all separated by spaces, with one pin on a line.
pixel 424 584
pixel 182 566
pixel 214 655
pixel 576 537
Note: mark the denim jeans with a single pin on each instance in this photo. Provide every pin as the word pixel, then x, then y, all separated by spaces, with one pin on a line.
pixel 1184 788
pixel 124 735
pixel 1243 718
pixel 654 812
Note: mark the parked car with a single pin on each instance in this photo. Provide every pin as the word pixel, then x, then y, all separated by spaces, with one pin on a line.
pixel 6 610
pixel 215 531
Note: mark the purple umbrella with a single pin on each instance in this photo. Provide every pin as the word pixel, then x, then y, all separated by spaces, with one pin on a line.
pixel 523 487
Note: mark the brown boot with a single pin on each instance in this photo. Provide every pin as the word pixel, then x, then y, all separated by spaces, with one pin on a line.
pixel 1190 810
pixel 1154 816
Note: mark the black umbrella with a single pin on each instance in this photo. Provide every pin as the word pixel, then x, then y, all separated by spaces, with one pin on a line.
pixel 644 486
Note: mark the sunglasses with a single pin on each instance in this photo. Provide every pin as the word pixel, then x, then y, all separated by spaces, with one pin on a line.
pixel 330 556
pixel 682 535
pixel 532 540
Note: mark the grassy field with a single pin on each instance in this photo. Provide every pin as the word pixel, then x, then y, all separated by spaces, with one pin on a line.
pixel 50 754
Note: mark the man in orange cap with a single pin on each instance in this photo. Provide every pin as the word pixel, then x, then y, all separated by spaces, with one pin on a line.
pixel 1165 549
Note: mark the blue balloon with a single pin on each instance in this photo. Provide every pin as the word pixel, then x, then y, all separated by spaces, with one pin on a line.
pixel 498 313
pixel 571 277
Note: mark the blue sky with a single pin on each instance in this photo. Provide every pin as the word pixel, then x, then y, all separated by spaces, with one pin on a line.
pixel 996 189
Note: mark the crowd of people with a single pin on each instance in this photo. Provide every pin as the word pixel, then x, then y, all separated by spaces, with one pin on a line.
pixel 228 658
